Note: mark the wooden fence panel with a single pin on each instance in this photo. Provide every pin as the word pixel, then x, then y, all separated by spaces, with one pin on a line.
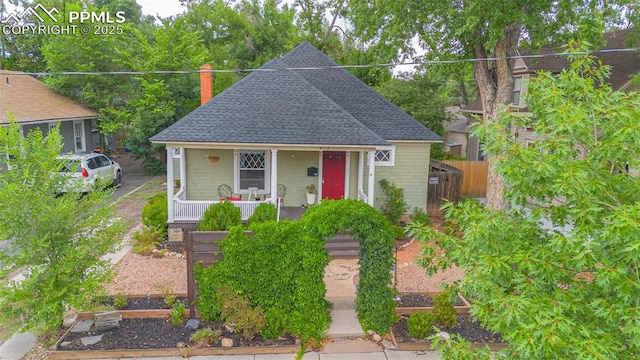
pixel 474 181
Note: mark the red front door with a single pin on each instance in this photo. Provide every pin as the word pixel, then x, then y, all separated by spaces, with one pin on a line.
pixel 333 164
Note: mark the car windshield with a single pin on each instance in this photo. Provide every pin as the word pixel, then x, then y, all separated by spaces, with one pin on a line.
pixel 70 165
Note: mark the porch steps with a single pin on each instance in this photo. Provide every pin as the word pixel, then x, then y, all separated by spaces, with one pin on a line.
pixel 342 246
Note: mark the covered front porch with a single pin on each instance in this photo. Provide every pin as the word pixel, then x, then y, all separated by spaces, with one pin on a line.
pixel 254 175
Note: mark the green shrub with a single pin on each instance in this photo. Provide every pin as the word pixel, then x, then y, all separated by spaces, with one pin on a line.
pixel 145 240
pixel 155 214
pixel 444 310
pixel 263 213
pixel 420 324
pixel 205 336
pixel 220 217
pixel 394 205
pixel 398 233
pixel 177 312
pixel 237 310
pixel 120 301
pixel 420 217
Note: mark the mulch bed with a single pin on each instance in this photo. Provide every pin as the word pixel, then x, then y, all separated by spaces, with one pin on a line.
pixel 159 334
pixel 465 327
pixel 420 300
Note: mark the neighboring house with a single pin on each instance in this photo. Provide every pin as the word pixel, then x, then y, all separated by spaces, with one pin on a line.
pixel 456 132
pixel 315 124
pixel 624 65
pixel 33 105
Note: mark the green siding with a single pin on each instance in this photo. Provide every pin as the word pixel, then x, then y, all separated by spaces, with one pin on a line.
pixel 292 173
pixel 204 177
pixel 410 172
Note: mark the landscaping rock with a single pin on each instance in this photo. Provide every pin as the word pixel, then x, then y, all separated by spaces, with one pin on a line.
pixel 68 321
pixel 108 320
pixel 226 343
pixel 65 344
pixel 82 326
pixel 377 338
pixel 443 335
pixel 91 340
pixel 192 324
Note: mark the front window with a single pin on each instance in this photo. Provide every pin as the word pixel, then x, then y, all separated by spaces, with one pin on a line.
pixel 78 133
pixel 517 90
pixel 385 156
pixel 252 170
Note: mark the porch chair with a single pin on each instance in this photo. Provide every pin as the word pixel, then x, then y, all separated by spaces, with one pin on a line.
pixel 225 193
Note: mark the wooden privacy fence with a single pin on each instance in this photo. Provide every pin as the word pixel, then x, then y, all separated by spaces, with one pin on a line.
pixel 445 183
pixel 474 181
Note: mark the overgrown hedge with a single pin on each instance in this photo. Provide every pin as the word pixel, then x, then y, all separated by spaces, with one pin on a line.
pixel 281 269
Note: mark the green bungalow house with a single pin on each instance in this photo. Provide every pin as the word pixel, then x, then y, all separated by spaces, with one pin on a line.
pixel 298 120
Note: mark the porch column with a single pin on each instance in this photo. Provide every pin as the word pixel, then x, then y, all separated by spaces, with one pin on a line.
pixel 183 170
pixel 320 175
pixel 372 177
pixel 170 184
pixel 274 176
pixel 360 174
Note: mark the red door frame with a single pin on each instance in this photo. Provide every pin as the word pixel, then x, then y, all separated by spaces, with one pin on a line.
pixel 333 174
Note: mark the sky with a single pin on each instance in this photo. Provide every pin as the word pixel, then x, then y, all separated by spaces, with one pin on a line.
pixel 164 8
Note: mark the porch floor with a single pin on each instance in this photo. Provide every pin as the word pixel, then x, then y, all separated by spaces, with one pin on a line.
pixel 292 212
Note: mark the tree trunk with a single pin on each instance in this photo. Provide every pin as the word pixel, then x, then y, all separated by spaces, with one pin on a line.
pixel 495 85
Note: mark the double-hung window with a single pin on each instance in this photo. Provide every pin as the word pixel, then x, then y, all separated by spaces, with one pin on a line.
pixel 517 90
pixel 252 170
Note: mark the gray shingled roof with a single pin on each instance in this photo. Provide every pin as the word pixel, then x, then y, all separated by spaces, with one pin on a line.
pixel 316 107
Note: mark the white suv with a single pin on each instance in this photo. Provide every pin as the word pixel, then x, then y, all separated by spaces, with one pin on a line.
pixel 94 169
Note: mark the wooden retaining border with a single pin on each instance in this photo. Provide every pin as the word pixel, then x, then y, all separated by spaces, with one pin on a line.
pixel 171 352
pixel 410 310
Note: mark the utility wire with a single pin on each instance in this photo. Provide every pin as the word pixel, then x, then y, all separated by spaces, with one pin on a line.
pixel 363 66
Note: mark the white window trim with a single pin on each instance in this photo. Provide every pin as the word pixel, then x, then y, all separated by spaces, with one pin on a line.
pixel 54 124
pixel 84 136
pixel 392 156
pixel 175 152
pixel 236 172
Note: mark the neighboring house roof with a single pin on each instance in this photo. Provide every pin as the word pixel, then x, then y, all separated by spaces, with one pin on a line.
pixel 624 64
pixel 31 101
pixel 302 106
pixel 458 123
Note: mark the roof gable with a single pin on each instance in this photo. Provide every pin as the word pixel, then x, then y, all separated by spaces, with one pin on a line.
pixel 30 100
pixel 280 105
pixel 271 105
pixel 360 100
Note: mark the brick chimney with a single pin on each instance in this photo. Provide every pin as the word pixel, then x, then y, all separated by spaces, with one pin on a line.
pixel 206 84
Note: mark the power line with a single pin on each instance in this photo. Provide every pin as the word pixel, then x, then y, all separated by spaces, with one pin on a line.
pixel 362 66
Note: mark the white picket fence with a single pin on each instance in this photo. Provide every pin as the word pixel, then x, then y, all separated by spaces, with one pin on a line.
pixel 191 210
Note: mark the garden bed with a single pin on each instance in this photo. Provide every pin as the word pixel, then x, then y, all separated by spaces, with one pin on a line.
pixel 410 302
pixel 465 327
pixel 148 332
pixel 151 337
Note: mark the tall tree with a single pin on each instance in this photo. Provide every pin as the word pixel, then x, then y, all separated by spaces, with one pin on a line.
pixel 558 281
pixel 56 241
pixel 480 29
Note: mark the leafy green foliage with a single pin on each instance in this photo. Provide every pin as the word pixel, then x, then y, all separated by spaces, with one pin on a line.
pixel 374 302
pixel 145 240
pixel 220 217
pixel 394 205
pixel 57 241
pixel 443 310
pixel 420 217
pixel 296 249
pixel 567 289
pixel 155 214
pixel 420 324
pixel 120 301
pixel 264 212
pixel 177 312
pixel 236 311
pixel 205 336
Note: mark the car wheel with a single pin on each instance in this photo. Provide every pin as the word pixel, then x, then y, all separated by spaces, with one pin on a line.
pixel 118 181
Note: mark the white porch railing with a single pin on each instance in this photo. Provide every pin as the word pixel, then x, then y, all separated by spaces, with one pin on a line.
pixel 192 210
